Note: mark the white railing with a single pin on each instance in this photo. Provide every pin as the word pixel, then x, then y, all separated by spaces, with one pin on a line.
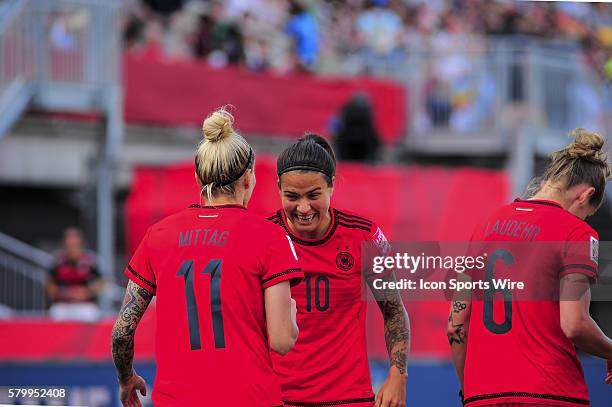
pixel 64 55
pixel 484 87
pixel 23 276
pixel 16 62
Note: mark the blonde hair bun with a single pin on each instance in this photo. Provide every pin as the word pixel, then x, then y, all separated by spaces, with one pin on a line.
pixel 218 126
pixel 586 145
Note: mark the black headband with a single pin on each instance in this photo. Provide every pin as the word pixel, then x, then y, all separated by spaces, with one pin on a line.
pixel 303 167
pixel 234 179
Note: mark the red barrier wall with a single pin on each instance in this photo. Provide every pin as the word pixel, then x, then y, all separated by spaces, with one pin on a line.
pixel 182 93
pixel 409 203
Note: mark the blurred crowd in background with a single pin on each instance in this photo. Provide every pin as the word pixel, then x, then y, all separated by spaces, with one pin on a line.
pixel 343 37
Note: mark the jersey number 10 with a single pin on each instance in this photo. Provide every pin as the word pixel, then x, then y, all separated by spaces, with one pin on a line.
pixel 214 269
pixel 316 287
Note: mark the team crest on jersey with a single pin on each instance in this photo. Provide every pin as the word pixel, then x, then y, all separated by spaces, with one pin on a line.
pixel 594 250
pixel 345 261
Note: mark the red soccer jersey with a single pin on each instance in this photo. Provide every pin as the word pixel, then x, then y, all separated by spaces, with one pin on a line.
pixel 329 363
pixel 208 267
pixel 517 351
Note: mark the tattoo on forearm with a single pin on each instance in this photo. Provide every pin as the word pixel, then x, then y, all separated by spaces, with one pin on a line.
pixel 457 334
pixel 397 326
pixel 458 306
pixel 134 305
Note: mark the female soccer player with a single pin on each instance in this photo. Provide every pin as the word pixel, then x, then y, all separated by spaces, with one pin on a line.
pixel 328 365
pixel 521 348
pixel 222 278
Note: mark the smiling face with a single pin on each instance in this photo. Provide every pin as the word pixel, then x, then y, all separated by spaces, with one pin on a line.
pixel 305 198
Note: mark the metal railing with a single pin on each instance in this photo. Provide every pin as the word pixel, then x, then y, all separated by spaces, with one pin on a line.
pixel 78 49
pixel 495 96
pixel 64 55
pixel 59 55
pixel 16 62
pixel 24 273
pixel 483 88
pixel 23 277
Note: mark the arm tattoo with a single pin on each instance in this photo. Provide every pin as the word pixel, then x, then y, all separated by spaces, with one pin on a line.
pixel 458 306
pixel 397 325
pixel 456 334
pixel 134 305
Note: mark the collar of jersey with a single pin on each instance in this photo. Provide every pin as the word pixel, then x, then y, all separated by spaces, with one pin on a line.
pixel 311 242
pixel 538 202
pixel 236 206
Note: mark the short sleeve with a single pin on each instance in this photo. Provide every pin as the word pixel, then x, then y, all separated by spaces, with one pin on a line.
pixel 377 245
pixel 139 268
pixel 281 262
pixel 580 253
pixel 378 239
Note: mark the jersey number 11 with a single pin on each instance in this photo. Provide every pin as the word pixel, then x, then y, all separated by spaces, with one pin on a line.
pixel 214 269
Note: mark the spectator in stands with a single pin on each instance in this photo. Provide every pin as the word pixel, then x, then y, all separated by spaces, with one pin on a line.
pixel 75 283
pixel 218 39
pixel 356 136
pixel 379 31
pixel 304 30
pixel 256 33
pixel 164 7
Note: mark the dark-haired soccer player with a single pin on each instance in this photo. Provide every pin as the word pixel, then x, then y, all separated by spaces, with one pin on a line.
pixel 329 365
pixel 221 276
pixel 512 348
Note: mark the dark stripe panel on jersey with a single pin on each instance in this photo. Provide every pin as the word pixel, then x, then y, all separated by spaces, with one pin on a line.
pixel 275 216
pixel 141 278
pixel 355 217
pixel 354 226
pixel 273 276
pixel 524 394
pixel 535 201
pixel 328 403
pixel 360 222
pixel 579 266
pixel 223 206
pixel 296 239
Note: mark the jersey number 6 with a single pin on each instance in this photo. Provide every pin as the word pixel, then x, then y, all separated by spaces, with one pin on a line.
pixel 487 315
pixel 214 269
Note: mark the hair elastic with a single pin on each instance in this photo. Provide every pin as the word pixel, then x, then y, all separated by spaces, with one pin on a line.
pixel 232 180
pixel 237 177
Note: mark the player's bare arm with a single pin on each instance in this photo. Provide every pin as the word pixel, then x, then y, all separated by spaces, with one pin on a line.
pixel 457 329
pixel 397 339
pixel 576 321
pixel 135 303
pixel 457 325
